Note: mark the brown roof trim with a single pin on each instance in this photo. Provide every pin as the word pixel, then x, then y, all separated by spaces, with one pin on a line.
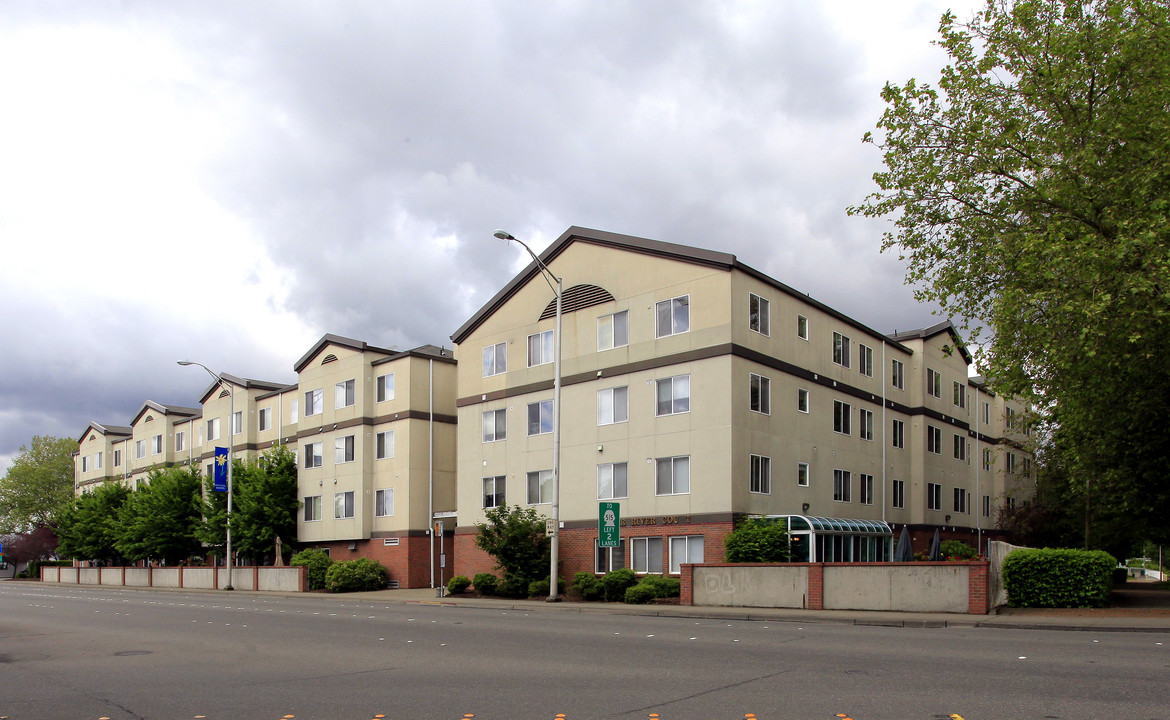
pixel 670 251
pixel 107 430
pixel 241 382
pixel 937 329
pixel 424 352
pixel 165 410
pixel 340 341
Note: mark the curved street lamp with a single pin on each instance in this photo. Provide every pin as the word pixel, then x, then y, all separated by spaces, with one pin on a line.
pixel 230 435
pixel 549 277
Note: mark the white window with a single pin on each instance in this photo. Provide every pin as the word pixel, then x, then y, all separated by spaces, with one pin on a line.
pixel 761 394
pixel 343 394
pixel 962 501
pixel 933 440
pixel 986 413
pixel 312 508
pixel 761 475
pixel 673 395
pixel 1011 462
pixel 117 458
pixel 493 491
pixel 960 444
pixel 613 330
pixel 841 412
pixel 898 434
pixel 384 502
pixel 314 457
pixel 156 445
pixel 1009 418
pixel 264 419
pixel 933 496
pixel 85 463
pixel 865 360
pixel 139 449
pixel 97 461
pixel 495 425
pixel 898 373
pixel 866 488
pixel 608 559
pixel 540 348
pixel 986 506
pixel 180 441
pixel 343 505
pixel 212 429
pixel 672 476
pixel 802 327
pixel 960 394
pixel 986 459
pixel 685 549
pixel 646 555
pixel 540 486
pixel 540 417
pixel 802 475
pixel 758 314
pixel 933 383
pixel 840 349
pixel 842 486
pixel 612 481
pixel 237 422
pixel 343 450
pixel 802 400
pixel 899 494
pixel 313 402
pixel 613 405
pixel 384 387
pixel 292 410
pixel 865 419
pixel 495 359
pixel 385 445
pixel 672 316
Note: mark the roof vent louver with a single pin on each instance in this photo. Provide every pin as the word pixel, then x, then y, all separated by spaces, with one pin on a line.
pixel 576 298
pixel 329 358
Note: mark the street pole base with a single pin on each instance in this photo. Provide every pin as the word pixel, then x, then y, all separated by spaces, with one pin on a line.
pixel 552 599
pixel 228 587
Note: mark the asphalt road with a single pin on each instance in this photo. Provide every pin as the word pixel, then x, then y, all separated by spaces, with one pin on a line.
pixel 85 654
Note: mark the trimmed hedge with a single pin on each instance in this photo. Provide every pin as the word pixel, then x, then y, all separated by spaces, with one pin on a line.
pixel 458 584
pixel 485 584
pixel 1058 578
pixel 318 562
pixel 356 575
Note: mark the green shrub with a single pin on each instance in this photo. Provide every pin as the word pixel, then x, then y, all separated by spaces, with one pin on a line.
pixel 957 550
pixel 640 594
pixel 1058 578
pixel 538 588
pixel 664 586
pixel 589 586
pixel 513 586
pixel 318 562
pixel 485 584
pixel 458 584
pixel 617 582
pixel 356 576
pixel 757 540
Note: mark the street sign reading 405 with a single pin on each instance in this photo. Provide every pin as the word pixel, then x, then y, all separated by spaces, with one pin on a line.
pixel 608 522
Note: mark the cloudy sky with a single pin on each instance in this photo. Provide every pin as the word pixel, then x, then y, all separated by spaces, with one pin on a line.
pixel 228 181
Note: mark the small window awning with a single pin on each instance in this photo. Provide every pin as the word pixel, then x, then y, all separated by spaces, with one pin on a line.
pixel 848 526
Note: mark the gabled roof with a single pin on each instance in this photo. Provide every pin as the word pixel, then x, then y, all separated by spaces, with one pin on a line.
pixel 330 339
pixel 927 333
pixel 236 381
pixel 426 352
pixel 113 431
pixel 165 410
pixel 630 243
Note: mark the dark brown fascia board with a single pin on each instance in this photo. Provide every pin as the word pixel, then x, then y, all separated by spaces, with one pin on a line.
pixel 340 341
pixel 191 418
pixel 165 410
pixel 424 352
pixel 937 329
pixel 106 430
pixel 277 391
pixel 246 383
pixel 658 248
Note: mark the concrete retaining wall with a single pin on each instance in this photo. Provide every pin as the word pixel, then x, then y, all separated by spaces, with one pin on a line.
pixel 277 579
pixel 948 587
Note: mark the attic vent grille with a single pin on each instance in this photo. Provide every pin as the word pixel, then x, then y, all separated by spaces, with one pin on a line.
pixel 91 438
pixel 149 418
pixel 329 358
pixel 223 393
pixel 390 542
pixel 576 298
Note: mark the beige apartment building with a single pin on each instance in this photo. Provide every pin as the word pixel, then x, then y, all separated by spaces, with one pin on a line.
pixel 696 389
pixel 373 431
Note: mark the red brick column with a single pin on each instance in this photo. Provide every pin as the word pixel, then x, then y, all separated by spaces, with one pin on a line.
pixel 816 586
pixel 978 599
pixel 686 595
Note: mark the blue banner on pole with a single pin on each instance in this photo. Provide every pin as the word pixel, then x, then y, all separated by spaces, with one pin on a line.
pixel 219 476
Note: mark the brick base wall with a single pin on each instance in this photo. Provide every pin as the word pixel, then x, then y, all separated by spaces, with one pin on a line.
pixel 409 562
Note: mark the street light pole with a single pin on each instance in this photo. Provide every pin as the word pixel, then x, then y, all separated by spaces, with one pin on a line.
pixel 556 468
pixel 231 437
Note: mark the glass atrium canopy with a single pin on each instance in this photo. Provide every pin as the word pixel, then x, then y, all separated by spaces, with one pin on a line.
pixel 825 539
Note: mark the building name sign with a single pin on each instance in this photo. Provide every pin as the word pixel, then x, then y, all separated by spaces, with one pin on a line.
pixel 656 520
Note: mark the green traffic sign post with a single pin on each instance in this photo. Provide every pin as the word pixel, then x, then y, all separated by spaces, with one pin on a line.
pixel 608 524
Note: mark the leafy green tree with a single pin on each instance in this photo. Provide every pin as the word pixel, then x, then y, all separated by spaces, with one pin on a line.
pixel 38 485
pixel 159 519
pixel 515 537
pixel 211 531
pixel 1030 195
pixel 318 562
pixel 757 540
pixel 88 529
pixel 265 503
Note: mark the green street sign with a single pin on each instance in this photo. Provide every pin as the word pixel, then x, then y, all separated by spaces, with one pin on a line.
pixel 608 521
